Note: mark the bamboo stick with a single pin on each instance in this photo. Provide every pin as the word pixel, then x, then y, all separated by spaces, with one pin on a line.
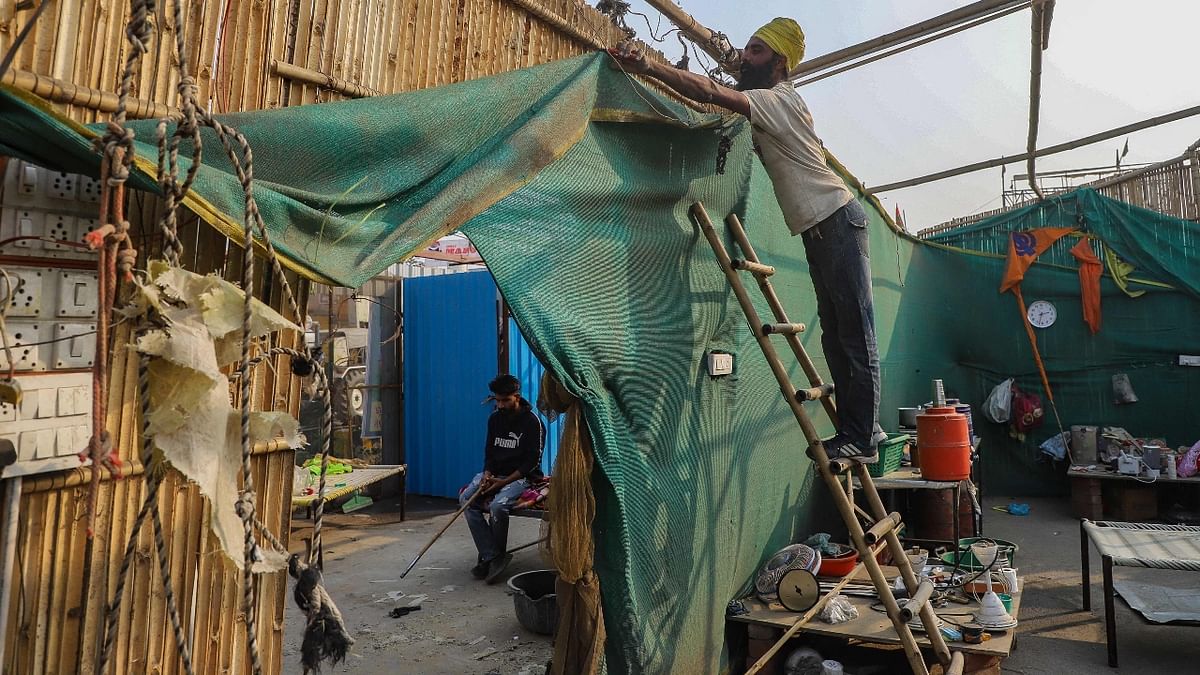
pixel 1049 150
pixel 535 9
pixel 256 55
pixel 298 74
pixel 41 599
pixel 61 572
pixel 59 91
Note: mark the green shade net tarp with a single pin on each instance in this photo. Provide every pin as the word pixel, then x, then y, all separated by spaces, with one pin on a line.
pixel 574 182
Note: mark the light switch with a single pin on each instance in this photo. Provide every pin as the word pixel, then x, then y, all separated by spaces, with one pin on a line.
pixel 47 403
pixel 29 179
pixel 29 404
pixel 66 401
pixel 83 436
pixel 27 448
pixel 78 294
pixel 46 443
pixel 64 441
pixel 720 363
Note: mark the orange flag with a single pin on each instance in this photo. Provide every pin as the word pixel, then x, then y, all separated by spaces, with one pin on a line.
pixel 1024 248
pixel 1090 269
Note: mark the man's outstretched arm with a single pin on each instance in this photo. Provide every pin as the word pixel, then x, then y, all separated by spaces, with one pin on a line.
pixel 696 87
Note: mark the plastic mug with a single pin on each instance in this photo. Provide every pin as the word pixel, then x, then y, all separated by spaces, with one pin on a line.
pixel 1152 474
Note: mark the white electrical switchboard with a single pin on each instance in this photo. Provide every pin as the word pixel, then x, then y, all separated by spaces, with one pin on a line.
pixel 50 313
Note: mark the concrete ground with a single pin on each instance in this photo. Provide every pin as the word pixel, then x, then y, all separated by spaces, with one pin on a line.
pixel 467 627
pixel 1055 634
pixel 464 627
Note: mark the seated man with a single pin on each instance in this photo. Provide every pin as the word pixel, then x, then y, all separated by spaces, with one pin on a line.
pixel 512 453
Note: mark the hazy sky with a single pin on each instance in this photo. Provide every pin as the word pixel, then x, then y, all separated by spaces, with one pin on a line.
pixel 966 97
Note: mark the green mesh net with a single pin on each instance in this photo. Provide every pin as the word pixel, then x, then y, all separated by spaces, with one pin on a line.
pixel 574 182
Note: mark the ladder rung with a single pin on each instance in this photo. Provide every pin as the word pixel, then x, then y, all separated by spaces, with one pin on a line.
pixel 753 267
pixel 782 328
pixel 882 528
pixel 917 601
pixel 815 393
pixel 957 662
pixel 840 466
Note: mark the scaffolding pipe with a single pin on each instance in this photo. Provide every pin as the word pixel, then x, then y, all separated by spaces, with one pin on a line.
pixel 1038 41
pixel 916 31
pixel 1051 150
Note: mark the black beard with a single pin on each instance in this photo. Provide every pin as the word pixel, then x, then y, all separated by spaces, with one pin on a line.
pixel 757 77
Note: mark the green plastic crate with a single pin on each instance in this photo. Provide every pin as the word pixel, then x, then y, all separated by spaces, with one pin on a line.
pixel 891 453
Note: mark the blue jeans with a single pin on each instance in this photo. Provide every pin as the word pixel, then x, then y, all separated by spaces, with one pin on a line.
pixel 491 539
pixel 839 260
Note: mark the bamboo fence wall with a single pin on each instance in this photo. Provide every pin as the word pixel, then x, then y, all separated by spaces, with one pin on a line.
pixel 237 48
pixel 238 51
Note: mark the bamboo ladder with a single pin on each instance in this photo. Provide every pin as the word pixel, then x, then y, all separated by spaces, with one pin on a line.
pixel 884 530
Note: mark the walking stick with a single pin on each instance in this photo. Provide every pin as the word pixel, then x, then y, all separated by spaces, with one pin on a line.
pixel 459 512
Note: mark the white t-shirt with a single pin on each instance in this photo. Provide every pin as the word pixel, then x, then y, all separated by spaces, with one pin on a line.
pixel 782 128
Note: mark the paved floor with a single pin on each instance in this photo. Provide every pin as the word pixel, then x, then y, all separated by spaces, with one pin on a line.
pixel 1056 635
pixel 466 627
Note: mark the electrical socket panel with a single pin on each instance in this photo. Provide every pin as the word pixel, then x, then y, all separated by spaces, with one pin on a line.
pixel 89 190
pixel 61 185
pixel 48 205
pixel 26 344
pixel 52 425
pixel 58 227
pixel 74 345
pixel 27 286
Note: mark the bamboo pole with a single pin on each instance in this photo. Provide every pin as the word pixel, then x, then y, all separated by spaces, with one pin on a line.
pixel 298 74
pixel 713 43
pixel 1050 150
pixel 59 91
pixel 12 510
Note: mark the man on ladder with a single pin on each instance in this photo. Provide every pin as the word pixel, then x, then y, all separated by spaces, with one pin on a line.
pixel 816 205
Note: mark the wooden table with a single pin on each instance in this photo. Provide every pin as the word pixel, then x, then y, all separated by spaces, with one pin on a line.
pixel 1127 498
pixel 874 626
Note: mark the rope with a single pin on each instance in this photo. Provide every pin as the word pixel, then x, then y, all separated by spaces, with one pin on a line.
pixel 118 256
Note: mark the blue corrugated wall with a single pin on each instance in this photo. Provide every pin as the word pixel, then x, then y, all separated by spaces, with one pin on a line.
pixel 450 355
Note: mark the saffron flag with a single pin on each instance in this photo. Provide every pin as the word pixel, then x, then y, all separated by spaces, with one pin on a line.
pixel 1090 269
pixel 1024 248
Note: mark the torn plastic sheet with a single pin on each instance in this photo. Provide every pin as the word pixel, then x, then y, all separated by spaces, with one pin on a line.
pixel 190 396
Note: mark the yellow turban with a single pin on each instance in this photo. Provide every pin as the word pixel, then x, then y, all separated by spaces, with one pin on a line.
pixel 785 38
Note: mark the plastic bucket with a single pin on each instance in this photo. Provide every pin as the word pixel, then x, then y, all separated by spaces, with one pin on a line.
pixel 534 600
